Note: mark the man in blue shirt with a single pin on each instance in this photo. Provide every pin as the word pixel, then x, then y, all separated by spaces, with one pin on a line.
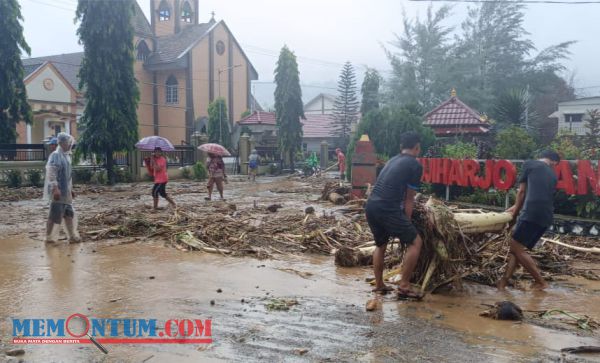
pixel 535 203
pixel 389 212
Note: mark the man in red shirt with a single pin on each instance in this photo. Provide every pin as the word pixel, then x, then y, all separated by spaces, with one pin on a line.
pixel 341 158
pixel 158 166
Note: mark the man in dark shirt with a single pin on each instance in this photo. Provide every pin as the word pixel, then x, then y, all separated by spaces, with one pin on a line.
pixel 535 202
pixel 389 211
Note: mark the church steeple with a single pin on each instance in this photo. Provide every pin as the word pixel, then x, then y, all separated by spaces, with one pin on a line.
pixel 172 16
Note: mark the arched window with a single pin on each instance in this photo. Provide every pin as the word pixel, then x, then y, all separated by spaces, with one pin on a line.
pixel 172 95
pixel 186 12
pixel 142 51
pixel 164 11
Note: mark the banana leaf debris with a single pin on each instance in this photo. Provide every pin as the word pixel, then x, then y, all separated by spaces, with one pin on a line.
pixel 458 243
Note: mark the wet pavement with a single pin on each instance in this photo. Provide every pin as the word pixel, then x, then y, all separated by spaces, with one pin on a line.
pixel 149 280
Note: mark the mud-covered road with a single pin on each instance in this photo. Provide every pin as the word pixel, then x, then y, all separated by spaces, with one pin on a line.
pixel 146 280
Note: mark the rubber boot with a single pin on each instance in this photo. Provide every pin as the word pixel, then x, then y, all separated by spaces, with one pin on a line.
pixel 72 233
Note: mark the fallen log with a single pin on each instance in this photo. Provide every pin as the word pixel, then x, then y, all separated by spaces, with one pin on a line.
pixel 336 198
pixel 576 248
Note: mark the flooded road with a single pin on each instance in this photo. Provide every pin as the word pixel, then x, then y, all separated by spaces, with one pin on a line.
pixel 145 280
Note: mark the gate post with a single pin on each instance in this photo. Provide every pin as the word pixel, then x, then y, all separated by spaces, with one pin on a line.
pixel 244 153
pixel 364 170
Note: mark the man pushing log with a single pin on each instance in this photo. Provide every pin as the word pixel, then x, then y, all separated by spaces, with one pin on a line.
pixel 389 212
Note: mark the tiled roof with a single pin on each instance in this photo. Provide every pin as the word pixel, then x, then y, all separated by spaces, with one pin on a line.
pixel 67 64
pixel 453 112
pixel 141 26
pixel 318 126
pixel 259 118
pixel 315 126
pixel 172 47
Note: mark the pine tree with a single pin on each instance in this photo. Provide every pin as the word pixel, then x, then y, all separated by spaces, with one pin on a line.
pixel 109 120
pixel 370 91
pixel 288 104
pixel 218 123
pixel 13 95
pixel 592 134
pixel 345 107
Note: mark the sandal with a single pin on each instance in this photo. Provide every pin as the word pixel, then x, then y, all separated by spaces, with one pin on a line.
pixel 383 290
pixel 207 198
pixel 408 294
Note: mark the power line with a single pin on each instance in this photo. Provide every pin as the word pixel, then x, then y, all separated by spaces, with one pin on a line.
pixel 52 5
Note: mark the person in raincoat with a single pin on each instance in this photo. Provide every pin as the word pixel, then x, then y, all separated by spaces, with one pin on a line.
pixel 216 175
pixel 59 190
pixel 313 163
pixel 253 162
pixel 341 162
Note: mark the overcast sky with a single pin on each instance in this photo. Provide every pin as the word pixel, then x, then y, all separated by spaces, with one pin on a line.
pixel 326 33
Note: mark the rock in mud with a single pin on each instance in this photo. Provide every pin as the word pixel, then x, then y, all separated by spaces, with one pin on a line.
pixel 309 210
pixel 373 304
pixel 274 207
pixel 350 257
pixel 504 310
pixel 14 352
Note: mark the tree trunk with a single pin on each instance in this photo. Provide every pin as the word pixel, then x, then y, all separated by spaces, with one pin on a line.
pixel 110 172
pixel 292 160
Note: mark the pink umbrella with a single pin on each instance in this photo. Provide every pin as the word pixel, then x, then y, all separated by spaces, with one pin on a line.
pixel 214 149
pixel 151 142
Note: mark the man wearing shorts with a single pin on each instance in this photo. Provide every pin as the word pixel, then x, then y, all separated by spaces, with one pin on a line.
pixel 389 212
pixel 161 178
pixel 341 161
pixel 535 202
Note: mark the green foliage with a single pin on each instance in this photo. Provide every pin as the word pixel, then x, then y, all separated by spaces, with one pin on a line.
pixel 82 176
pixel 109 121
pixel 460 150
pixel 122 174
pixel 34 176
pixel 13 94
pixel 14 179
pixel 565 146
pixel 245 114
pixel 288 104
pixel 218 123
pixel 490 55
pixel 186 172
pixel 512 108
pixel 488 197
pixel 592 135
pixel 199 171
pixel 100 177
pixel 384 127
pixel 514 143
pixel 370 91
pixel 346 105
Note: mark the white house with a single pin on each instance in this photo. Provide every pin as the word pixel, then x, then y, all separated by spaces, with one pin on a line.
pixel 320 105
pixel 572 115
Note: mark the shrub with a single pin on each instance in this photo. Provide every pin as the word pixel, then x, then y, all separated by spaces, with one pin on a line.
pixel 186 173
pixel 99 177
pixel 460 150
pixel 199 171
pixel 14 178
pixel 82 176
pixel 122 175
pixel 34 176
pixel 514 143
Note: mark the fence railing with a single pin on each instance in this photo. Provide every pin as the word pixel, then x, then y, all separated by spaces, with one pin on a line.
pixel 181 156
pixel 22 152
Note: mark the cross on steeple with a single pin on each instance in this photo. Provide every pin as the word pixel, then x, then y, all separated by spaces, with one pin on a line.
pixel 213 15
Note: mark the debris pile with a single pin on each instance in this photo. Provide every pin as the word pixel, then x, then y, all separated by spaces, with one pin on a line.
pixel 230 231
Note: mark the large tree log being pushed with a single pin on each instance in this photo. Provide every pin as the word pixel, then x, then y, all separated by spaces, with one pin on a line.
pixel 352 257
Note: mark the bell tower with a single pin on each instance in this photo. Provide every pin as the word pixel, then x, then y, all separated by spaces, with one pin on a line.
pixel 171 16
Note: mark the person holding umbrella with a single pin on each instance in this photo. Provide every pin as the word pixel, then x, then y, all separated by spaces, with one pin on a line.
pixel 157 165
pixel 216 167
pixel 216 175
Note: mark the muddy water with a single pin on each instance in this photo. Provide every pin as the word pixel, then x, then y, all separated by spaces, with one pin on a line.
pixel 330 322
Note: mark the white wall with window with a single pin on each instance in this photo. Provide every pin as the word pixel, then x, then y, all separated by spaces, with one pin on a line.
pixel 572 115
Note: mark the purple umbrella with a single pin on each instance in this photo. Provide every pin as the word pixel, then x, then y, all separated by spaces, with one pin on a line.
pixel 151 142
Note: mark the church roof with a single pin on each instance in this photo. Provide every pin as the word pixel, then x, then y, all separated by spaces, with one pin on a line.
pixel 172 47
pixel 67 64
pixel 259 118
pixel 141 25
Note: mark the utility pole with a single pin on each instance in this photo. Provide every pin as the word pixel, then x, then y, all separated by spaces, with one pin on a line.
pixel 221 106
pixel 527 108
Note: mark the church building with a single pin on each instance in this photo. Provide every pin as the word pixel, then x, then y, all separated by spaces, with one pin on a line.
pixel 181 65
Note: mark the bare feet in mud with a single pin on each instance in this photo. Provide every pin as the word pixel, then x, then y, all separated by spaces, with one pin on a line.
pixel 501 284
pixel 538 286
